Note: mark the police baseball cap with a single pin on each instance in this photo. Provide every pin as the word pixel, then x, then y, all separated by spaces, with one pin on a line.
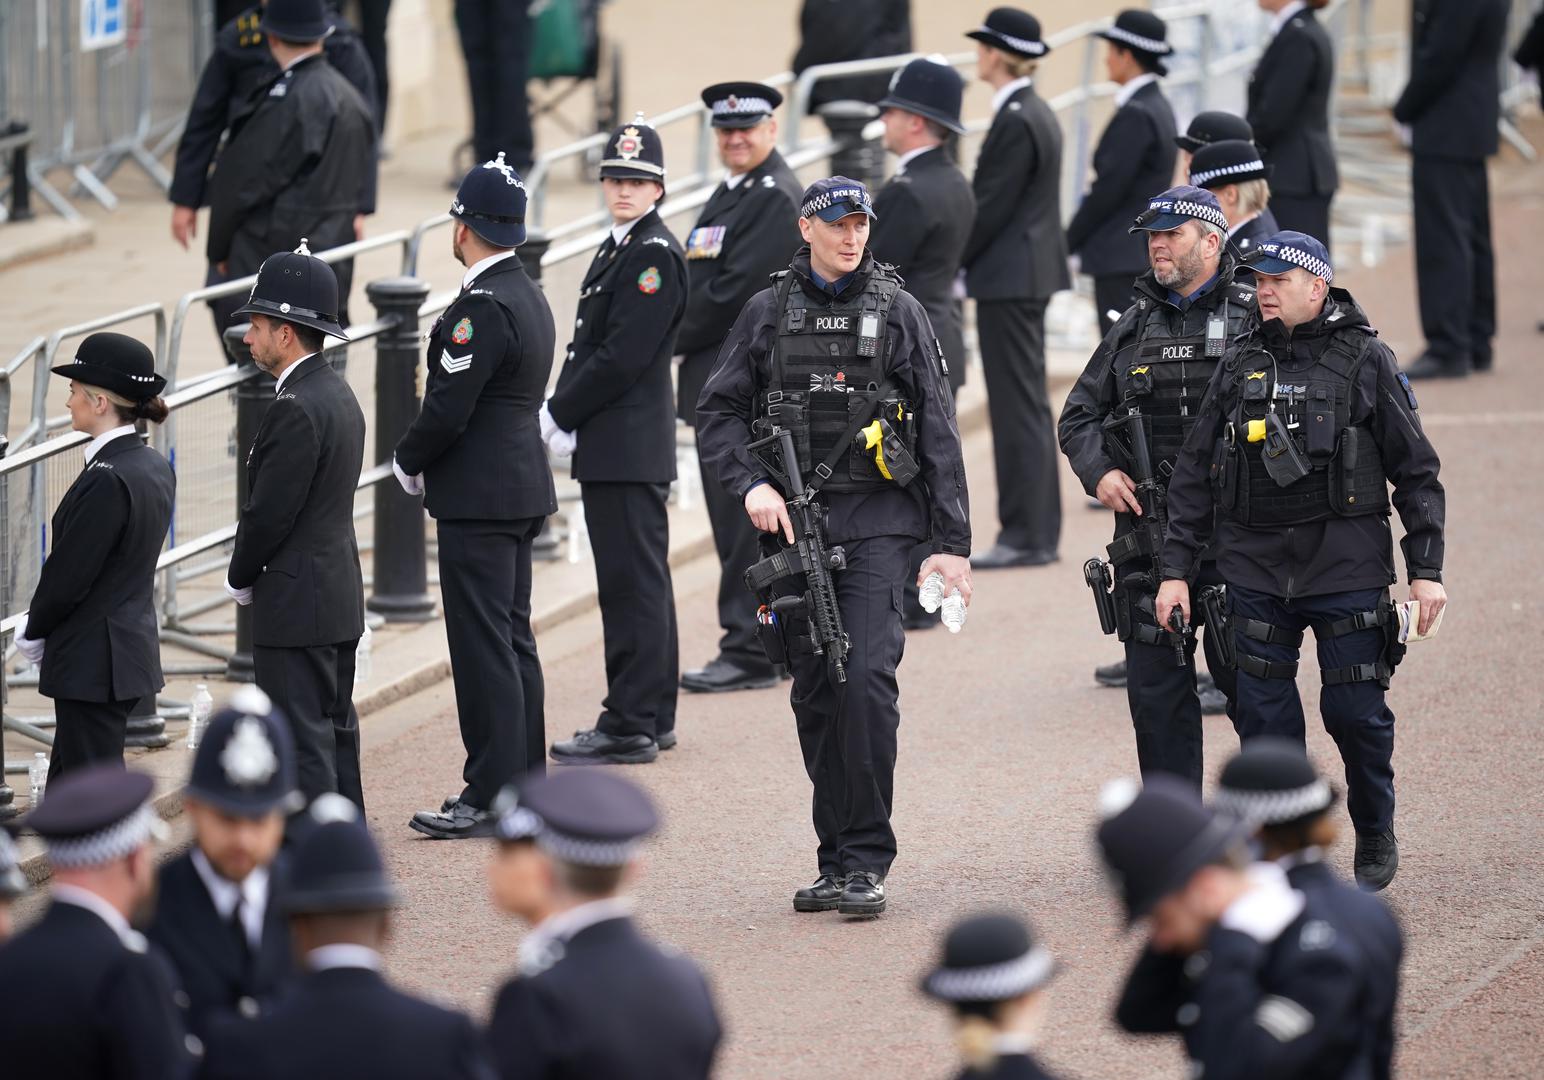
pixel 297 287
pixel 1227 161
pixel 245 764
pixel 740 104
pixel 1272 782
pixel 117 363
pixel 1174 207
pixel 834 198
pixel 491 202
pixel 930 88
pixel 1288 251
pixel 1212 126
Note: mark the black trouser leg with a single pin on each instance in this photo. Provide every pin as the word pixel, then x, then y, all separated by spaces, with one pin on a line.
pixel 1482 312
pixel 373 15
pixel 630 535
pixel 1113 292
pixel 1305 214
pixel 847 732
pixel 314 687
pixel 87 733
pixel 485 585
pixel 1444 253
pixel 1012 334
pixel 734 538
pixel 496 41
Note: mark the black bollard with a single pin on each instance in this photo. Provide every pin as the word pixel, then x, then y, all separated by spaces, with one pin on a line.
pixel 147 727
pixel 253 397
pixel 401 591
pixel 854 158
pixel 531 253
pixel 21 183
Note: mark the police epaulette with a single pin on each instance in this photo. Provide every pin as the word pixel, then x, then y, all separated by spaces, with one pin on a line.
pixel 286 397
pixel 1244 294
pixel 101 465
pixel 479 292
pixel 660 240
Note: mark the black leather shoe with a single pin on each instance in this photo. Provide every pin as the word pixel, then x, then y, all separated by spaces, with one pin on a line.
pixel 821 896
pixel 1111 674
pixel 1376 860
pixel 720 676
pixel 1001 556
pixel 595 747
pixel 1431 366
pixel 666 741
pixel 1213 701
pixel 863 894
pixel 460 822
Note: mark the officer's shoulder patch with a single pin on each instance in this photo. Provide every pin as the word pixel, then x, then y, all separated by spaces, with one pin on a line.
pixel 1244 294
pixel 461 333
pixel 649 281
pixel 1315 936
pixel 1016 106
pixel 102 465
pixel 768 182
pixel 1404 381
pixel 660 240
pixel 479 292
pixel 288 396
pixel 1282 1018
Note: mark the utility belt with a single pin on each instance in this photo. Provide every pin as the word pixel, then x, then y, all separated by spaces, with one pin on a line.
pixel 1384 617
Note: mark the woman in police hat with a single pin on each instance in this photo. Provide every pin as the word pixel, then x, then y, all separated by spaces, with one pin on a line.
pixel 91 628
pixel 993 975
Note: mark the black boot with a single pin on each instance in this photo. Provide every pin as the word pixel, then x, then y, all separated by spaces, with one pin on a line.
pixel 1376 859
pixel 821 896
pixel 721 675
pixel 595 747
pixel 460 822
pixel 1111 674
pixel 863 894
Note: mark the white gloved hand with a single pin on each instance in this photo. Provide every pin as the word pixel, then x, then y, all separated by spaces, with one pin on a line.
pixel 560 442
pixel 32 650
pixel 241 596
pixel 1406 135
pixel 413 485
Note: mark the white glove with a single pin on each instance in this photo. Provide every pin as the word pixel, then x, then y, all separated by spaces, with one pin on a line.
pixel 241 596
pixel 32 650
pixel 1406 136
pixel 1074 265
pixel 560 442
pixel 413 485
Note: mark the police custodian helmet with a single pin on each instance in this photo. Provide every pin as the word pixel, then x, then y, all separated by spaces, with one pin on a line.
pixel 296 287
pixel 634 152
pixel 491 202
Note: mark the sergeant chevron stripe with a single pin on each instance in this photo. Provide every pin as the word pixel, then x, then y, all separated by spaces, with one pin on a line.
pixel 455 364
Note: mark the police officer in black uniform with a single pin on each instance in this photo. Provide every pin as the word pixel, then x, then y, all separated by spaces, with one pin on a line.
pixel 1146 381
pixel 592 996
pixel 1232 170
pixel 614 400
pixel 92 625
pixel 296 556
pixel 1210 126
pixel 747 232
pixel 1286 473
pixel 832 343
pixel 496 44
pixel 475 453
pixel 1253 975
pixel 81 992
pixel 1014 260
pixel 217 904
pixel 1273 786
pixel 1134 158
pixel 341 1017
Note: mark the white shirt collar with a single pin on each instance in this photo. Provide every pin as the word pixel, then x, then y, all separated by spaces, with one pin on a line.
pixel 278 386
pixel 343 955
pixel 1012 1042
pixel 252 891
pixel 620 231
pixel 300 59
pixel 732 182
pixel 1007 90
pixel 1128 91
pixel 1295 859
pixel 480 265
pixel 95 445
pixel 1241 223
pixel 1285 14
pixel 912 155
pixel 537 948
pixel 76 896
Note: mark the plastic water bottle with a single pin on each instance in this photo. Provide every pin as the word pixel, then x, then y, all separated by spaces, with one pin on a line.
pixel 199 711
pixel 37 776
pixel 954 611
pixel 363 665
pixel 932 597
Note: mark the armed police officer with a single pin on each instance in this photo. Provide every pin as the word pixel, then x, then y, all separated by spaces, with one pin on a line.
pixel 840 367
pixel 747 232
pixel 1286 472
pixel 1121 429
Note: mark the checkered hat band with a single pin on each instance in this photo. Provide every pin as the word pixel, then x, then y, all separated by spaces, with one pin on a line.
pixel 1195 210
pixel 1298 257
pixel 519 824
pixel 993 982
pixel 1199 179
pixel 1273 807
pixel 105 845
pixel 826 199
pixel 581 852
pixel 1023 45
pixel 1137 41
pixel 635 164
pixel 742 106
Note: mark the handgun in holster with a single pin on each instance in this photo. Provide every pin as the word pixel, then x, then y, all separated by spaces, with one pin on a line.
pixel 1212 601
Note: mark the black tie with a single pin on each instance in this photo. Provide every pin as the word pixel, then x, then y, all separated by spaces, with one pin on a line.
pixel 239 934
pixel 606 249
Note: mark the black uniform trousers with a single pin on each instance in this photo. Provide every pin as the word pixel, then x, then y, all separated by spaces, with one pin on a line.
pixel 1305 214
pixel 1012 336
pixel 373 18
pixel 1114 292
pixel 496 42
pixel 1355 713
pixel 87 733
pixel 630 537
pixel 847 731
pixel 1455 266
pixel 314 685
pixel 485 586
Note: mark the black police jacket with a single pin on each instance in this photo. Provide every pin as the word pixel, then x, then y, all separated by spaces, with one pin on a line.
pixel 1016 249
pixel 1339 554
pixel 935 505
pixel 94 604
pixel 301 164
pixel 1288 106
pixel 217 978
pixel 614 390
pixel 614 1005
pixel 925 213
pixel 1453 100
pixel 1248 237
pixel 239 65
pixel 78 1000
pixel 477 440
pixel 295 543
pixel 347 1021
pixel 1133 162
pixel 831 31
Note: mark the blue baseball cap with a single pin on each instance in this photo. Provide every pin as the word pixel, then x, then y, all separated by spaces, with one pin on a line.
pixel 1288 251
pixel 834 198
pixel 1174 207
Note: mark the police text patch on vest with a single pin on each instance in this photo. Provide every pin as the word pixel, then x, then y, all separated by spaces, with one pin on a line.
pixel 833 324
pixel 1185 351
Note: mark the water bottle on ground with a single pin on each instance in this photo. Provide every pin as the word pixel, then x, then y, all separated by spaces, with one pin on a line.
pixel 37 776
pixel 363 665
pixel 199 711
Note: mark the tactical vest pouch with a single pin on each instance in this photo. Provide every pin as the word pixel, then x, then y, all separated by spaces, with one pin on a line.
pixel 1319 438
pixel 790 415
pixel 1225 467
pixel 1283 461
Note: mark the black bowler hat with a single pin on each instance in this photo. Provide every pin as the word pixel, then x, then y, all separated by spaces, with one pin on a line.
pixel 115 362
pixel 491 202
pixel 1141 32
pixel 297 287
pixel 930 88
pixel 1272 782
pixel 245 764
pixel 834 198
pixel 586 817
pixel 295 20
pixel 634 152
pixel 336 866
pixel 1012 31
pixel 1157 840
pixel 96 815
pixel 1212 126
pixel 1227 161
pixel 740 104
pixel 13 882
pixel 989 958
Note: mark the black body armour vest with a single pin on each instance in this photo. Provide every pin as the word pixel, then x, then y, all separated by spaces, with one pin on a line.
pixel 828 380
pixel 1345 477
